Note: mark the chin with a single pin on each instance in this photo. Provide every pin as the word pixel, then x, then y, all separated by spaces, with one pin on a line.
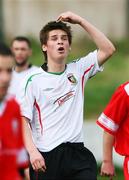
pixel 62 57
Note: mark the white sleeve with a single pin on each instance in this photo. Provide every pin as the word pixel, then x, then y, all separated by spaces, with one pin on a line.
pixel 26 98
pixel 88 65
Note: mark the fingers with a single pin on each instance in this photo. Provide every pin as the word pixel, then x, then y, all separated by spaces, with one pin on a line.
pixel 59 18
pixel 107 169
pixel 69 17
pixel 26 173
pixel 110 175
pixel 39 165
pixel 65 17
pixel 43 166
pixel 107 175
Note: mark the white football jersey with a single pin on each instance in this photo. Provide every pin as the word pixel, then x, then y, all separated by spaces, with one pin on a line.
pixel 17 78
pixel 54 102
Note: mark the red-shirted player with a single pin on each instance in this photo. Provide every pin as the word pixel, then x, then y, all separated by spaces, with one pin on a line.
pixel 13 156
pixel 115 122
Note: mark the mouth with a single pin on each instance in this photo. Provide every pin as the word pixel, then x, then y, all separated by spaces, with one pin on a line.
pixel 19 58
pixel 61 49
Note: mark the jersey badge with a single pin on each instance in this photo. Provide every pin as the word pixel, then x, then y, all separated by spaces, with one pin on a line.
pixel 72 78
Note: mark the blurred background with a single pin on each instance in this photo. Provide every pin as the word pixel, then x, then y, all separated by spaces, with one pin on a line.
pixel 27 17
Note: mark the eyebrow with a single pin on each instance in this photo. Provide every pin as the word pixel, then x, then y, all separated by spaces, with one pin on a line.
pixel 65 35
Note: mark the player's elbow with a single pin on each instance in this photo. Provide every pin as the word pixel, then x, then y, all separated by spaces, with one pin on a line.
pixel 110 50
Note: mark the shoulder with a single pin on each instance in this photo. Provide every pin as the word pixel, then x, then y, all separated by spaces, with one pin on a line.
pixel 87 57
pixel 126 88
pixel 12 102
pixel 33 68
pixel 123 88
pixel 32 78
pixel 34 74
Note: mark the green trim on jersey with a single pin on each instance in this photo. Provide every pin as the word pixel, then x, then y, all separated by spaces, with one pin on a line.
pixel 56 73
pixel 29 80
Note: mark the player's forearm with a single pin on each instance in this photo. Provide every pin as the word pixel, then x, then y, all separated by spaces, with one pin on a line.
pixel 102 42
pixel 108 142
pixel 36 159
pixel 28 137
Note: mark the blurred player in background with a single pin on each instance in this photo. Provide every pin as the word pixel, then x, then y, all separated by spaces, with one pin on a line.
pixel 54 95
pixel 21 48
pixel 115 122
pixel 13 156
pixel 22 51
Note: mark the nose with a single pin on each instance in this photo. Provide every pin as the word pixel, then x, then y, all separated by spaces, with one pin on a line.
pixel 60 41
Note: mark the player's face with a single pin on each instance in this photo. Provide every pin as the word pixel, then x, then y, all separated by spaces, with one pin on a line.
pixel 6 65
pixel 21 52
pixel 57 47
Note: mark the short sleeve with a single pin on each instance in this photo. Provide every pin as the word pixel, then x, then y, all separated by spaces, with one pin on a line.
pixel 88 65
pixel 26 98
pixel 115 112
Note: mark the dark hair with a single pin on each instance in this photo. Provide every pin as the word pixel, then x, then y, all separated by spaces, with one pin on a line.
pixel 53 25
pixel 5 50
pixel 22 38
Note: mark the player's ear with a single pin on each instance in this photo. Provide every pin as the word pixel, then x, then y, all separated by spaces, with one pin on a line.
pixel 44 48
pixel 30 52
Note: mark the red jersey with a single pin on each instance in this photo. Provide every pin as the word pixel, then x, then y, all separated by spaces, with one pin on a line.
pixel 12 152
pixel 115 119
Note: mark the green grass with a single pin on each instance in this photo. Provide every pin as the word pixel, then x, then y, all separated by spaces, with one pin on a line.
pixel 99 89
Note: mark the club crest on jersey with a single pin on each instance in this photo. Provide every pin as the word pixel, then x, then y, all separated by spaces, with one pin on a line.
pixel 72 78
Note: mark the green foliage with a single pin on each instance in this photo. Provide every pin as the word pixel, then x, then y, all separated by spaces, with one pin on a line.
pixel 37 55
pixel 99 89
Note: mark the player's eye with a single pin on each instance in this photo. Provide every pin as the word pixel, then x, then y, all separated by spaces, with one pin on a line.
pixel 16 49
pixel 54 38
pixel 9 70
pixel 23 49
pixel 64 37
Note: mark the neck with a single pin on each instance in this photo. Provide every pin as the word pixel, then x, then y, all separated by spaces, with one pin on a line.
pixel 55 67
pixel 21 68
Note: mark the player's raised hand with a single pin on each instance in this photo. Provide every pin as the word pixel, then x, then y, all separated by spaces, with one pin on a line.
pixel 37 161
pixel 107 169
pixel 69 17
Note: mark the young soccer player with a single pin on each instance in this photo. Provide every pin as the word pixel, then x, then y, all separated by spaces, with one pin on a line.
pixel 54 95
pixel 21 48
pixel 13 156
pixel 115 122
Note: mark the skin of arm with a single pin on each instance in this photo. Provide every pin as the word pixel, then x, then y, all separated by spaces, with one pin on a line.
pixel 104 45
pixel 36 159
pixel 107 167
